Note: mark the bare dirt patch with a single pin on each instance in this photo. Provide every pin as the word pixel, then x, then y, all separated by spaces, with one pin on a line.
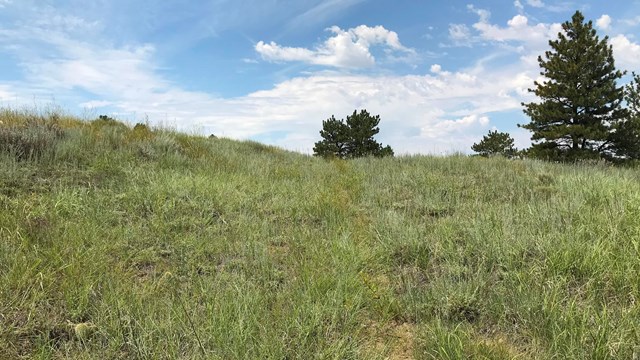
pixel 394 339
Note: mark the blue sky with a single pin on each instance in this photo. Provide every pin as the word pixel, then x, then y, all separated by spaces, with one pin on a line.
pixel 440 74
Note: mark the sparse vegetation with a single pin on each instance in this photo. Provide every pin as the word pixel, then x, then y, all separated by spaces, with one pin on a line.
pixel 132 243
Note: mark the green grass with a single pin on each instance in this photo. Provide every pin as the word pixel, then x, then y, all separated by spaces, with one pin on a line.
pixel 118 243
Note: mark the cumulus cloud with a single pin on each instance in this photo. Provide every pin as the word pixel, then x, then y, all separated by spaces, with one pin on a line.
pixel 518 29
pixel 274 52
pixel 443 110
pixel 455 126
pixel 345 49
pixel 429 113
pixel 626 52
pixel 604 22
pixel 518 21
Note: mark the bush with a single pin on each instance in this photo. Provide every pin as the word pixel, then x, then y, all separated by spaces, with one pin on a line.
pixel 105 122
pixel 141 132
pixel 352 138
pixel 495 143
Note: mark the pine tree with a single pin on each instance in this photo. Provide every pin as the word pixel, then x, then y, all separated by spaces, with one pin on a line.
pixel 362 128
pixel 335 143
pixel 580 102
pixel 351 139
pixel 626 138
pixel 495 143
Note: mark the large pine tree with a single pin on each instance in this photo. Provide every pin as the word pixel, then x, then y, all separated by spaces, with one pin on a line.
pixel 580 102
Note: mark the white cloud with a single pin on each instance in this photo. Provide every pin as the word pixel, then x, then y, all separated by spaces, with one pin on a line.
pixel 6 95
pixel 482 13
pixel 535 3
pixel 518 21
pixel 93 104
pixel 518 29
pixel 275 52
pixel 449 127
pixel 345 49
pixel 626 52
pixel 557 6
pixel 68 23
pixel 604 22
pixel 4 3
pixel 98 69
pixel 518 5
pixel 631 22
pixel 417 111
pixel 435 112
pixel 459 32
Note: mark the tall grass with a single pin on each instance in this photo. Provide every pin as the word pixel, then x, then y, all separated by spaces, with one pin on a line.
pixel 120 242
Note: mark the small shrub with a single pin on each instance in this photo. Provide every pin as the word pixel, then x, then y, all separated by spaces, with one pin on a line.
pixel 495 143
pixel 104 121
pixel 141 127
pixel 140 132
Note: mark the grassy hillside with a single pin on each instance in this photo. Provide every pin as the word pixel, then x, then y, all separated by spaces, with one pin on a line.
pixel 136 243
